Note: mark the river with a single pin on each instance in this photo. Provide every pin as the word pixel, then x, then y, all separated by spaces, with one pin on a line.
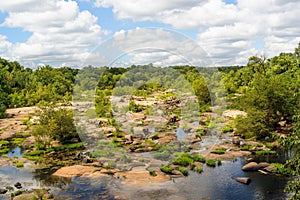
pixel 213 183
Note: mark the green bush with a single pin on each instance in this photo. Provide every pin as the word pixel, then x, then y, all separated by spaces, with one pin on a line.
pixel 219 151
pixel 151 172
pixel 198 158
pixel 19 164
pixel 34 153
pixel 111 164
pixel 166 169
pixel 246 148
pixel 198 169
pixel 227 128
pixel 183 170
pixel 219 161
pixel 210 163
pixel 4 142
pixel 184 159
pixel 265 152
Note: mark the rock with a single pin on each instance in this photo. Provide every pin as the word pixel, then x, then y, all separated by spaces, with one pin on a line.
pixel 128 138
pixel 103 122
pixel 140 132
pixel 108 130
pixel 73 171
pixel 9 188
pixel 270 169
pixel 263 165
pixel 244 180
pixel 236 140
pixel 263 171
pixel 87 160
pixel 195 140
pixel 3 191
pixel 18 185
pixel 252 166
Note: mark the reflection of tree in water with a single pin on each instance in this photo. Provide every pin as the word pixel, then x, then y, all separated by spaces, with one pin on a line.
pixel 45 178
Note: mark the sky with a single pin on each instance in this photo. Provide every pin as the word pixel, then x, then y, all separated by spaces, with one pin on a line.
pixel 168 32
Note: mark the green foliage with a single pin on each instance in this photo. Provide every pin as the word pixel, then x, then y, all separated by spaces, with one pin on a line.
pixel 19 164
pixel 265 152
pixel 183 170
pixel 151 172
pixel 16 193
pixel 166 169
pixel 18 141
pixel 246 148
pixel 219 151
pixel 219 161
pixel 54 123
pixel 198 158
pixel 184 159
pixel 210 163
pixel 4 142
pixel 133 107
pixel 198 169
pixel 227 128
pixel 293 187
pixel 111 164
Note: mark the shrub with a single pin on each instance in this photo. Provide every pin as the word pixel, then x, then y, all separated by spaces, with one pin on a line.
pixel 198 158
pixel 219 151
pixel 227 128
pixel 219 161
pixel 183 170
pixel 166 169
pixel 210 163
pixel 246 148
pixel 56 124
pixel 4 142
pixel 151 172
pixel 265 152
pixel 184 159
pixel 19 164
pixel 111 164
pixel 198 169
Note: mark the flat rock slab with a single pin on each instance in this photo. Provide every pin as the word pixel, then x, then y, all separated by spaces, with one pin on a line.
pixel 73 171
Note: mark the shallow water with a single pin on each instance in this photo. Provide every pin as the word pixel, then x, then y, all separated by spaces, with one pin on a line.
pixel 213 183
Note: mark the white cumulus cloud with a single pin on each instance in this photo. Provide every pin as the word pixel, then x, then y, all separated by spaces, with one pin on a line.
pixel 60 31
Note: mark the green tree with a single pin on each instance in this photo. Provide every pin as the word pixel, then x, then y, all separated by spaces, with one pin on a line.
pixel 55 123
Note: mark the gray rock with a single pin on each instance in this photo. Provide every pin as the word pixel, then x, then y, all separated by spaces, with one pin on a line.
pixel 18 185
pixel 3 191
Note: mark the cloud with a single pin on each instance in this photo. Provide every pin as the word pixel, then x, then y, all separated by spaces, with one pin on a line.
pixel 60 31
pixel 144 46
pixel 4 44
pixel 225 31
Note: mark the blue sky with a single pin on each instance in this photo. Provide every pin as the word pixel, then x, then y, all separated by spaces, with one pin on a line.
pixel 61 32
